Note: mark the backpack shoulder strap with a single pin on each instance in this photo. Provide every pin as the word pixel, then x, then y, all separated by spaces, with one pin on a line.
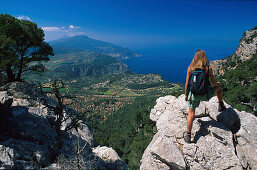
pixel 207 70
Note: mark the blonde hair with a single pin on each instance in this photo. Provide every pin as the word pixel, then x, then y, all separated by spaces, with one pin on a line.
pixel 200 61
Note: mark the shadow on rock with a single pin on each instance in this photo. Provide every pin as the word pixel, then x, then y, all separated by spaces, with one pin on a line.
pixel 230 119
pixel 204 125
pixel 226 120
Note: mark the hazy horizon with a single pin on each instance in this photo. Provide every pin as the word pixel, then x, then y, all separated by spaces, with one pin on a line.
pixel 144 23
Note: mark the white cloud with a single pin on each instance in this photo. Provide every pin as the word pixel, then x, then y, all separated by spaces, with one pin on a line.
pixel 69 30
pixel 51 28
pixel 72 26
pixel 24 17
pixel 58 32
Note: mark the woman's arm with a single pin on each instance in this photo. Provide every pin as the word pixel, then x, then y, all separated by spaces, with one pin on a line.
pixel 187 81
pixel 213 81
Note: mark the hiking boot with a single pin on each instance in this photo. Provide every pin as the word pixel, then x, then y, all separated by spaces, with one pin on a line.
pixel 221 107
pixel 187 137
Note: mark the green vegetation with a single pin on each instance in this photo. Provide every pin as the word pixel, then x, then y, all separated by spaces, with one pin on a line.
pixel 22 48
pixel 90 80
pixel 119 115
pixel 108 93
pixel 240 85
pixel 78 65
pixel 127 93
pixel 147 85
pixel 128 131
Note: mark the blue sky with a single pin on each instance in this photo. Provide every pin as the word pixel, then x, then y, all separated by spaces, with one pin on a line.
pixel 139 23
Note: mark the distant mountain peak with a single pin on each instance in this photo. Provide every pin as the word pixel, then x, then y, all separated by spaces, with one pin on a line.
pixel 79 36
pixel 84 43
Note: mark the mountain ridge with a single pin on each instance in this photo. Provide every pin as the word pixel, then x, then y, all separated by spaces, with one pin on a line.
pixel 85 43
pixel 82 64
pixel 246 50
pixel 238 74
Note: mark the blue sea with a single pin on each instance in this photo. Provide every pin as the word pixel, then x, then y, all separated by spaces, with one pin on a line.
pixel 171 61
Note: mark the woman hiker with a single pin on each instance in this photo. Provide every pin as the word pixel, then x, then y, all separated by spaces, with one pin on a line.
pixel 199 68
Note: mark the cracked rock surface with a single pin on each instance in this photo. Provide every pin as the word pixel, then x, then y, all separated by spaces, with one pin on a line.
pixel 28 138
pixel 226 140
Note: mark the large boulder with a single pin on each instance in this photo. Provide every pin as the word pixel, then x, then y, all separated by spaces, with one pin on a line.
pixel 166 151
pixel 3 97
pixel 225 140
pixel 28 155
pixel 110 157
pixel 29 138
pixel 246 140
pixel 7 157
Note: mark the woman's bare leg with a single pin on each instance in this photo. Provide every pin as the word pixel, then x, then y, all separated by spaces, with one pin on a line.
pixel 218 90
pixel 190 119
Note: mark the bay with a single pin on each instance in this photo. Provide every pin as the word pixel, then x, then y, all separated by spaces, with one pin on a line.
pixel 171 61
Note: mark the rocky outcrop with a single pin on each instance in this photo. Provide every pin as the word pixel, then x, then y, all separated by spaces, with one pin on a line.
pixel 110 157
pixel 248 45
pixel 246 49
pixel 28 137
pixel 225 140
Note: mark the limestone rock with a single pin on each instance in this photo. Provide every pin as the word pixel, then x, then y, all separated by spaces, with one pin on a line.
pixel 7 157
pixel 110 157
pixel 248 45
pixel 28 137
pixel 28 154
pixel 246 50
pixel 27 140
pixel 213 147
pixel 221 140
pixel 149 162
pixel 22 90
pixel 85 133
pixel 247 140
pixel 3 97
pixel 32 127
pixel 5 100
pixel 164 150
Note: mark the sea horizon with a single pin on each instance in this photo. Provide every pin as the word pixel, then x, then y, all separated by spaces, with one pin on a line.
pixel 171 60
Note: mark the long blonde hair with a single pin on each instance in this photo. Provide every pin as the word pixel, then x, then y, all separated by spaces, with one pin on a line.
pixel 200 60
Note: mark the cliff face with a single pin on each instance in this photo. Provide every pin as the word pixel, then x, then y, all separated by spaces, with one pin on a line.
pixel 225 140
pixel 248 45
pixel 29 140
pixel 246 49
pixel 238 74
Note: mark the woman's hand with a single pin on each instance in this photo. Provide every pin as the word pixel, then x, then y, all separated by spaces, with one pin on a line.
pixel 185 97
pixel 218 84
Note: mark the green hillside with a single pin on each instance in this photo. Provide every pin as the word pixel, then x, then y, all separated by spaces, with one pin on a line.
pixel 240 85
pixel 82 64
pixel 80 56
pixel 238 74
pixel 84 43
pixel 118 100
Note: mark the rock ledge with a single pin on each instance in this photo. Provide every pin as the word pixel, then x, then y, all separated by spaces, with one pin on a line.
pixel 226 140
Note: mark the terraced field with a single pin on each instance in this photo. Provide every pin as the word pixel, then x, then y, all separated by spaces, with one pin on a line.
pixel 106 94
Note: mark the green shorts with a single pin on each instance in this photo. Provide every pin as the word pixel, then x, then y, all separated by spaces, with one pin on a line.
pixel 193 101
